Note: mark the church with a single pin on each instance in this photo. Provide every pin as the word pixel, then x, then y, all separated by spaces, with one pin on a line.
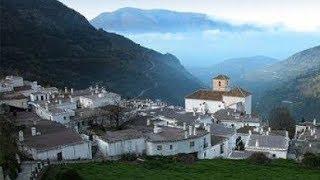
pixel 220 97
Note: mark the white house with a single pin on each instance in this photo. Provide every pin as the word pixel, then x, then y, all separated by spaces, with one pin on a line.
pixel 43 139
pixel 223 141
pixel 220 97
pixel 117 143
pixel 274 145
pixel 236 119
pixel 99 99
pixel 168 141
pixel 60 111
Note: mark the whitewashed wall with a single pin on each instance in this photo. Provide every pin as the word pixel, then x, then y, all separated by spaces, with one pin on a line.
pixel 133 146
pixel 247 102
pixel 278 153
pixel 182 146
pixel 214 151
pixel 238 125
pixel 69 152
pixel 213 106
pixel 19 103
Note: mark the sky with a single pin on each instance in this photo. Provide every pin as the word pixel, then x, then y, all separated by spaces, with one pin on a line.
pixel 295 15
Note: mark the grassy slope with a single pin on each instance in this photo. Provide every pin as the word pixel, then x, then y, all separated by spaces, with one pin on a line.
pixel 206 169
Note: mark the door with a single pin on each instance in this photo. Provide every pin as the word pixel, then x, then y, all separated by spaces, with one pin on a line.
pixel 59 156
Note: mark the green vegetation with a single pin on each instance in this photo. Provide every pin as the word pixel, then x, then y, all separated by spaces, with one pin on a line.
pixel 8 148
pixel 311 160
pixel 52 44
pixel 162 168
pixel 281 119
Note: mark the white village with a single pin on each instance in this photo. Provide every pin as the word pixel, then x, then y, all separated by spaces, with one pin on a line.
pixel 71 125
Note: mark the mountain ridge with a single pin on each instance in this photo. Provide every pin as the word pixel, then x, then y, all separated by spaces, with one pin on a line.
pixel 134 20
pixel 51 43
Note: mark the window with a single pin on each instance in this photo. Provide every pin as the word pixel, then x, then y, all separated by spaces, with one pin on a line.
pixel 192 144
pixel 273 155
pixel 64 118
pixel 171 146
pixel 204 154
pixel 221 149
pixel 41 98
pixel 219 83
pixel 205 144
pixel 232 125
pixel 159 147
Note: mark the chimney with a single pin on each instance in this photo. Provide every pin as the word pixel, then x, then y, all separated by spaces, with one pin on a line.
pixel 250 132
pixel 71 99
pixel 314 121
pixel 184 126
pixel 267 133
pixel 185 134
pixel 33 131
pixel 190 130
pixel 257 143
pixel 269 129
pixel 207 128
pixel 148 122
pixel 71 91
pixel 65 90
pixel 194 131
pixel 228 113
pixel 47 106
pixel 287 134
pixel 156 129
pixel 21 137
pixel 194 113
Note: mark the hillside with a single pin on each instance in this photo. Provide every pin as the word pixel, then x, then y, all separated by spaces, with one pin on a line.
pixel 158 169
pixel 301 95
pixel 294 82
pixel 48 42
pixel 235 68
pixel 132 20
pixel 292 67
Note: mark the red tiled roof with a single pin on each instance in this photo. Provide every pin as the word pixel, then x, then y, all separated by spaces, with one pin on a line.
pixel 217 95
pixel 221 76
pixel 206 95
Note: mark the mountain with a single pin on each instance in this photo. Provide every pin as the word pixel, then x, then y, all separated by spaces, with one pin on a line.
pixel 301 95
pixel 132 20
pixel 235 68
pixel 295 84
pixel 297 64
pixel 46 41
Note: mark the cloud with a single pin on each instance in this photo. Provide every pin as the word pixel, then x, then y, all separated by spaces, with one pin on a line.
pixel 159 36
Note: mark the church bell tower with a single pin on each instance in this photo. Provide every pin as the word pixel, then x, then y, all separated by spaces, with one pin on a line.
pixel 220 83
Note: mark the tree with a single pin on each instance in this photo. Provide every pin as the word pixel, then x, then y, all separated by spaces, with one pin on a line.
pixel 311 160
pixel 281 119
pixel 116 114
pixel 259 158
pixel 239 144
pixel 8 146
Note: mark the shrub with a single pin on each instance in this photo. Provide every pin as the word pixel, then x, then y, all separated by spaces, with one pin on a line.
pixel 311 160
pixel 68 174
pixel 259 158
pixel 186 158
pixel 128 157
